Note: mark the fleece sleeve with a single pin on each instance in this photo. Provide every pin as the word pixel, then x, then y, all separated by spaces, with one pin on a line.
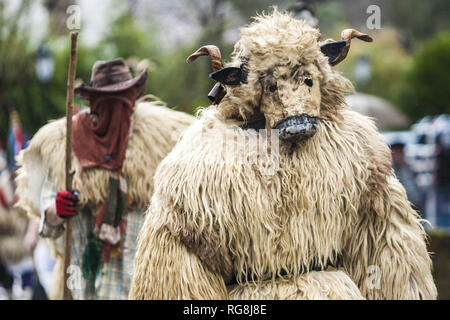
pixel 47 199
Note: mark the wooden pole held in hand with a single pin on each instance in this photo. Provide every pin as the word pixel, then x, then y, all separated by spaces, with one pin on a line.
pixel 66 294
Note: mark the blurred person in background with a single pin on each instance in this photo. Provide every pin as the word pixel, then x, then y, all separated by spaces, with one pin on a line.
pixel 442 180
pixel 20 272
pixel 16 270
pixel 405 174
pixel 430 161
pixel 6 278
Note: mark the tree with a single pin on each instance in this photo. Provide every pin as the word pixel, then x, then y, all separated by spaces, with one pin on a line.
pixel 426 90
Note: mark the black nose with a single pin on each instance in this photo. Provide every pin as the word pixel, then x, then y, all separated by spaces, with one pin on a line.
pixel 297 128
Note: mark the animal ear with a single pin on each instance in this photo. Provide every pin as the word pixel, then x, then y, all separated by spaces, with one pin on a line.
pixel 333 50
pixel 229 76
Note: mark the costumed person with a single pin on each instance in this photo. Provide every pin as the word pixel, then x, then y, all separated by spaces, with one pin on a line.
pixel 29 274
pixel 117 145
pixel 280 190
pixel 15 264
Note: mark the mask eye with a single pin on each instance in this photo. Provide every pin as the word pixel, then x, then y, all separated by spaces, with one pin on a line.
pixel 308 82
pixel 273 88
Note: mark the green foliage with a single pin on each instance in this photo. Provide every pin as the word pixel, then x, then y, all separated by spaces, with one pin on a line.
pixel 20 89
pixel 126 39
pixel 388 60
pixel 330 15
pixel 426 89
pixel 419 18
pixel 189 84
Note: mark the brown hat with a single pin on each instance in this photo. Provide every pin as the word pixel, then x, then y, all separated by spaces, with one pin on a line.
pixel 111 76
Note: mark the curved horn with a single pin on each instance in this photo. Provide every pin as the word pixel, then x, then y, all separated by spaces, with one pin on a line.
pixel 347 35
pixel 214 55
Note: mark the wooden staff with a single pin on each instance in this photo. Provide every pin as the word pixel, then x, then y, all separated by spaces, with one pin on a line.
pixel 66 294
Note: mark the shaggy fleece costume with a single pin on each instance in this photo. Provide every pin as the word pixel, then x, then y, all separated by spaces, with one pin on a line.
pixel 13 226
pixel 13 222
pixel 155 131
pixel 215 216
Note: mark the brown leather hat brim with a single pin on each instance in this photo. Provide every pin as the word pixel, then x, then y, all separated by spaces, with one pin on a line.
pixel 83 91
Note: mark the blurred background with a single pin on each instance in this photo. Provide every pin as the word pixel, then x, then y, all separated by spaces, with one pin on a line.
pixel 402 80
